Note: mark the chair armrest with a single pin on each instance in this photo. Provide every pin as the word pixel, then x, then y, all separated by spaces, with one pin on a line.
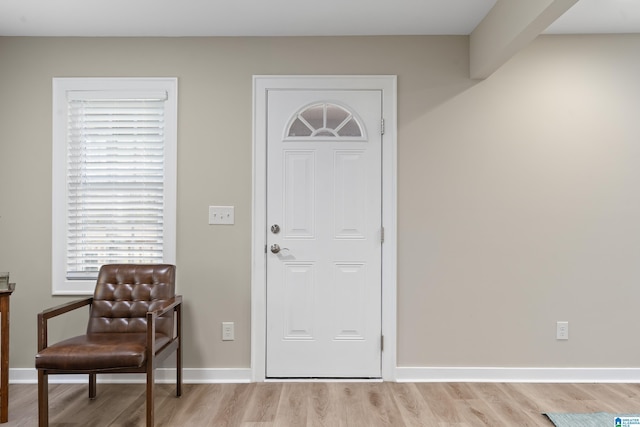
pixel 65 308
pixel 171 305
pixel 175 304
pixel 49 313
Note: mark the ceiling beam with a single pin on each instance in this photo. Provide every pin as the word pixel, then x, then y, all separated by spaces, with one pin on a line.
pixel 508 27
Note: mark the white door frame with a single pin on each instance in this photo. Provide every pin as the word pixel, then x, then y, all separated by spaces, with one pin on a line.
pixel 261 86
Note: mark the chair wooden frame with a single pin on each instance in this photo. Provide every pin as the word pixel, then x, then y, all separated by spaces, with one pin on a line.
pixel 151 360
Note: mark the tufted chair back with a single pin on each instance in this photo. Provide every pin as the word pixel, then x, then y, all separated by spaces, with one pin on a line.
pixel 125 292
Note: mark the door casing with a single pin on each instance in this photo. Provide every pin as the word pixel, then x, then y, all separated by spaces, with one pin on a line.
pixel 261 87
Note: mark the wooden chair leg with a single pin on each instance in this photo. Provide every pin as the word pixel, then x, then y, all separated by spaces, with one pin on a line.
pixel 43 399
pixel 179 371
pixel 178 313
pixel 92 386
pixel 150 384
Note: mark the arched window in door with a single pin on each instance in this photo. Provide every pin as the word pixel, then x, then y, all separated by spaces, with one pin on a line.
pixel 324 120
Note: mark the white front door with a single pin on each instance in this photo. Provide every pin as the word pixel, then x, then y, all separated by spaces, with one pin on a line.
pixel 324 222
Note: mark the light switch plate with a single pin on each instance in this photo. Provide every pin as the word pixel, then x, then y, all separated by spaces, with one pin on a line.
pixel 221 215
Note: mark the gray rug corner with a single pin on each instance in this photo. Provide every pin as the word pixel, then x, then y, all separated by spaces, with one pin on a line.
pixel 595 419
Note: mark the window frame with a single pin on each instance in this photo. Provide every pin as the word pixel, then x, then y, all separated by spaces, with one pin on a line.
pixel 60 285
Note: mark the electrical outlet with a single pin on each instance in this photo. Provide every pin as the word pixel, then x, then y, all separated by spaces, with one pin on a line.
pixel 227 331
pixel 562 330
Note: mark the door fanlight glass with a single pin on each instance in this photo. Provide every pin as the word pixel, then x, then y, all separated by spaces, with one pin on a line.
pixel 324 120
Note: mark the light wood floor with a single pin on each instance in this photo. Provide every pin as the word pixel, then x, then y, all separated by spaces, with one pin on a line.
pixel 323 404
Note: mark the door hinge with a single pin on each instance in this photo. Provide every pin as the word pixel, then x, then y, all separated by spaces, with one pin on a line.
pixel 381 342
pixel 265 249
pixel 382 126
pixel 381 234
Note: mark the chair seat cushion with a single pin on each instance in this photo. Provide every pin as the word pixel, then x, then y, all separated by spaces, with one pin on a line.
pixel 100 351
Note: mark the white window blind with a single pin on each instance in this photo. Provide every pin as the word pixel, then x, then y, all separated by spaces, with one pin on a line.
pixel 115 180
pixel 117 171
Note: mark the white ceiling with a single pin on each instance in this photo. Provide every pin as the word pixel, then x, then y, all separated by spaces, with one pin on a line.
pixel 287 17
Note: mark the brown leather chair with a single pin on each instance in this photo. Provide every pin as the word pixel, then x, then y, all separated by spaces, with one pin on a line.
pixel 131 329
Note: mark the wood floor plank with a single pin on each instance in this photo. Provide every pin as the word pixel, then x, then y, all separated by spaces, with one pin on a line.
pixel 197 410
pixel 23 405
pixel 520 401
pixel 490 392
pixel 415 412
pixel 233 405
pixel 114 403
pixel 293 408
pixel 433 391
pixel 527 396
pixel 61 399
pixel 440 402
pixel 349 401
pixel 324 406
pixel 625 397
pixel 512 415
pixel 134 412
pixel 381 405
pixel 314 404
pixel 264 402
pixel 476 412
pixel 460 391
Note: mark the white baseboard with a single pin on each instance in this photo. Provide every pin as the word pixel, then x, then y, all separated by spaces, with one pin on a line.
pixel 163 375
pixel 525 375
pixel 402 374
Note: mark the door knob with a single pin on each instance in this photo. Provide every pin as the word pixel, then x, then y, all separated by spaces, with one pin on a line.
pixel 275 248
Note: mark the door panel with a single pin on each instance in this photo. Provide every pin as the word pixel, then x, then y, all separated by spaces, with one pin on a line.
pixel 298 295
pixel 349 199
pixel 323 291
pixel 299 194
pixel 350 289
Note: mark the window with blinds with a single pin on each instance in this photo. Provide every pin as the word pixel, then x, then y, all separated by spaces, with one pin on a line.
pixel 117 176
pixel 115 181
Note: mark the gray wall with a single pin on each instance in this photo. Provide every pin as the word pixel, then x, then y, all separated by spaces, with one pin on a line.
pixel 518 195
